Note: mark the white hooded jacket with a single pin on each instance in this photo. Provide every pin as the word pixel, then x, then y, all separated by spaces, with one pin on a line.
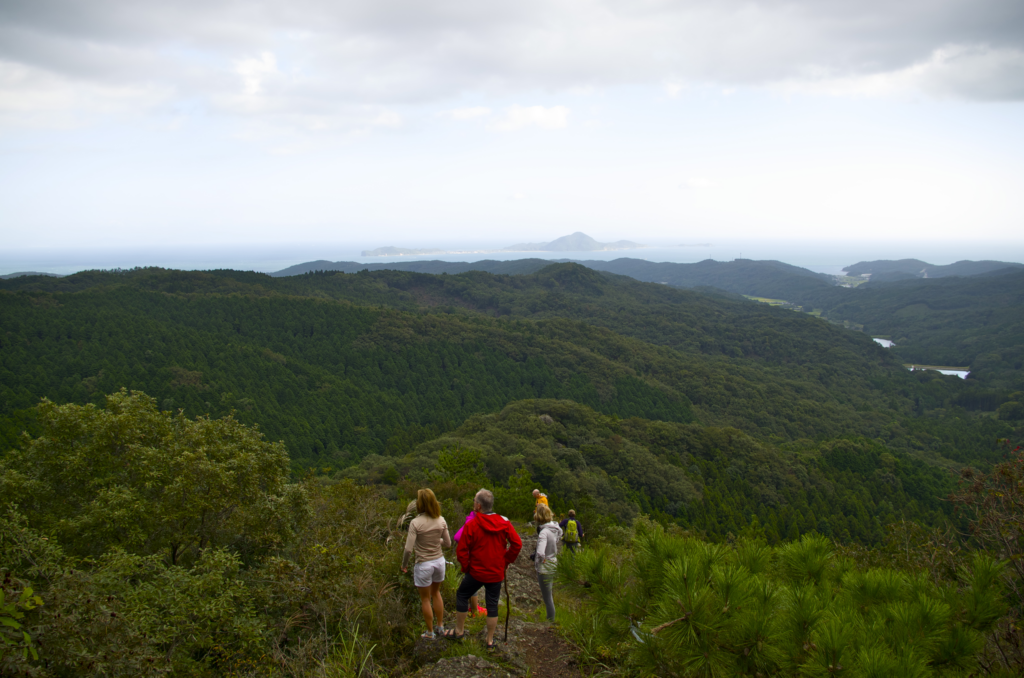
pixel 547 548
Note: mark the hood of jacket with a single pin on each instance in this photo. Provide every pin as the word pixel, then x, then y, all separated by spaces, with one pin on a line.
pixel 552 527
pixel 492 522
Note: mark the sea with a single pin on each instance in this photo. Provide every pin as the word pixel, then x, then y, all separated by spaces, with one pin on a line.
pixel 829 257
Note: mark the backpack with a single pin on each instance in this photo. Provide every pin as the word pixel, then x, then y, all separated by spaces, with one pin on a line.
pixel 571 534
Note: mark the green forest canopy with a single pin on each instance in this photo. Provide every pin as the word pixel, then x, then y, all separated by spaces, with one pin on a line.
pixel 341 366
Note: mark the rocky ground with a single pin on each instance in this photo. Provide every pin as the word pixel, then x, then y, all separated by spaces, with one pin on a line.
pixel 532 649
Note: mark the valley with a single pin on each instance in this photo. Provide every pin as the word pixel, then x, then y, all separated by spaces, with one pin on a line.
pixel 676 418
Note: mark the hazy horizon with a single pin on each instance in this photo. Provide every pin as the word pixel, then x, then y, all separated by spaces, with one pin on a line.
pixel 148 125
pixel 822 257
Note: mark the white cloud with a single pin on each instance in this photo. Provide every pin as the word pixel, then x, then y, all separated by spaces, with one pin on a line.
pixel 387 119
pixel 518 117
pixel 255 71
pixel 33 97
pixel 672 88
pixel 469 113
pixel 952 71
pixel 287 58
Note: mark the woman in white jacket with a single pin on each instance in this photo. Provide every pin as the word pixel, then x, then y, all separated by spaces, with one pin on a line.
pixel 547 556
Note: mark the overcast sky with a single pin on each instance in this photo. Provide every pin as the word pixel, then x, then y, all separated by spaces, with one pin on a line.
pixel 426 122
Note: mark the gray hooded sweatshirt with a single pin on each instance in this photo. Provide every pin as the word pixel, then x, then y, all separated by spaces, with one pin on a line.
pixel 547 548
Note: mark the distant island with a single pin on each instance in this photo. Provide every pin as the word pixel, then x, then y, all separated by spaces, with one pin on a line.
pixel 400 252
pixel 577 242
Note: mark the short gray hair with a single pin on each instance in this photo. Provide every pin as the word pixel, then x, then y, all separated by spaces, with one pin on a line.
pixel 486 499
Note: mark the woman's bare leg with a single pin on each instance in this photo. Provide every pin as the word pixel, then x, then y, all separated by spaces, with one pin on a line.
pixel 435 596
pixel 428 614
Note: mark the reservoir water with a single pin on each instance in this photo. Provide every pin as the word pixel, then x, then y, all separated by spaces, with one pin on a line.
pixel 955 373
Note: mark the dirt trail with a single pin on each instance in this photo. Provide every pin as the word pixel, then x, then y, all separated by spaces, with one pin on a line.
pixel 533 649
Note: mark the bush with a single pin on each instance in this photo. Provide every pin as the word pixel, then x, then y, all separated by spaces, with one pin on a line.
pixel 675 605
pixel 182 549
pixel 132 477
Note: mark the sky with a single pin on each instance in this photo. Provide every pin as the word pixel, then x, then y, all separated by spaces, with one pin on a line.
pixel 450 123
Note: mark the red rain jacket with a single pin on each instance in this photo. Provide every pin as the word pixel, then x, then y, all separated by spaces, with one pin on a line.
pixel 488 544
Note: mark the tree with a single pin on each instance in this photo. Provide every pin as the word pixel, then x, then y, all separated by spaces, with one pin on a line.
pixel 150 482
pixel 1011 411
pixel 994 504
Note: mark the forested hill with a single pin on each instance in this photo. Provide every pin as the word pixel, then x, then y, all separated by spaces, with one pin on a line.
pixel 511 267
pixel 922 269
pixel 772 279
pixel 705 322
pixel 707 478
pixel 975 321
pixel 696 432
pixel 340 366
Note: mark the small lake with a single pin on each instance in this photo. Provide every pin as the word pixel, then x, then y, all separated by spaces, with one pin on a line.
pixel 884 342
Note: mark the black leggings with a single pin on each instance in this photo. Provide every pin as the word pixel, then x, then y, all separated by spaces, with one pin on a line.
pixel 468 589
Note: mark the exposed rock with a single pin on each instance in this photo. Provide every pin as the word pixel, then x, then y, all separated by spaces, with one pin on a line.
pixel 428 651
pixel 521 575
pixel 467 666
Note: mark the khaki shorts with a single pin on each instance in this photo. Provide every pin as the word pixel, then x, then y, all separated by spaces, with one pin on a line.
pixel 430 572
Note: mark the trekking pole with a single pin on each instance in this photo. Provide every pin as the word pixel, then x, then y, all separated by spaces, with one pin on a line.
pixel 508 603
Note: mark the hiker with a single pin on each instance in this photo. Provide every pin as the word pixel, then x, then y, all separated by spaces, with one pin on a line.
pixel 572 531
pixel 428 532
pixel 406 518
pixel 541 499
pixel 489 544
pixel 474 602
pixel 547 556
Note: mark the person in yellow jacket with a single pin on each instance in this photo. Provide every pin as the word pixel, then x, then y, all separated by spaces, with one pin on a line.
pixel 542 500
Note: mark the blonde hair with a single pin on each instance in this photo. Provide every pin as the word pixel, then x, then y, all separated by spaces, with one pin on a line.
pixel 543 513
pixel 426 502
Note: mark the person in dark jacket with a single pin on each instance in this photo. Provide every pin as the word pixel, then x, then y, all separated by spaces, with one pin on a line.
pixel 572 541
pixel 488 545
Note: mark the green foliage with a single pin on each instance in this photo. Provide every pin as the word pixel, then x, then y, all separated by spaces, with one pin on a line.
pixel 460 465
pixel 149 482
pixel 339 572
pixel 973 321
pixel 163 536
pixel 515 497
pixel 1011 411
pixel 125 614
pixel 714 480
pixel 673 605
pixel 336 383
pixel 349 658
pixel 237 602
pixel 339 382
pixel 16 600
